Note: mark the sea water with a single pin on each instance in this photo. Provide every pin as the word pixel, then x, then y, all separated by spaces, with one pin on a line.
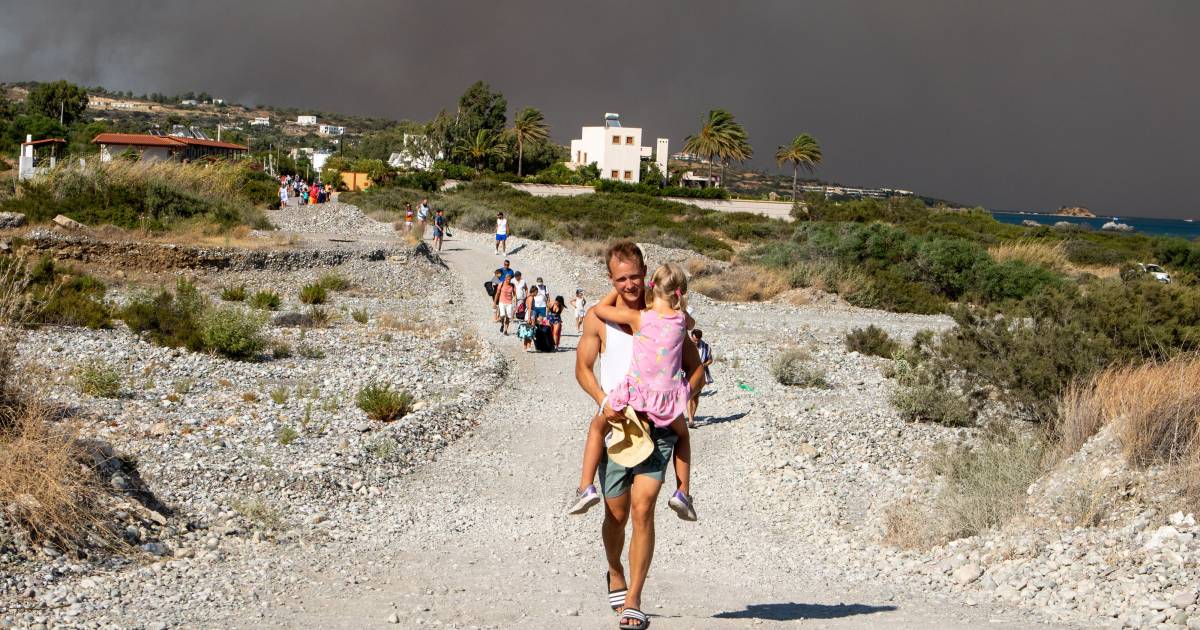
pixel 1140 225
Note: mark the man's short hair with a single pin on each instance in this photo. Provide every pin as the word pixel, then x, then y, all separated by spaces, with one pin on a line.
pixel 506 261
pixel 697 333
pixel 517 273
pixel 624 250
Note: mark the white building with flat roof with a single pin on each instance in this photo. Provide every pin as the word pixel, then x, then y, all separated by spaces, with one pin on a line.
pixel 261 121
pixel 331 130
pixel 306 120
pixel 616 150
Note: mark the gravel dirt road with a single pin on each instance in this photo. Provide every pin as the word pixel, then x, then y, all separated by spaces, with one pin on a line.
pixel 479 539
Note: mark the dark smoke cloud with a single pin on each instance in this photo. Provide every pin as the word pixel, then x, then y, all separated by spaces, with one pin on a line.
pixel 1017 105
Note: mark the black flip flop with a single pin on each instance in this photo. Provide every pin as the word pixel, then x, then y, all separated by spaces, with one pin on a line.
pixel 616 597
pixel 633 613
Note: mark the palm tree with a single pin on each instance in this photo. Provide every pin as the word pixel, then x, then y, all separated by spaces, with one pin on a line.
pixel 529 125
pixel 478 148
pixel 712 139
pixel 803 152
pixel 738 147
pixel 721 137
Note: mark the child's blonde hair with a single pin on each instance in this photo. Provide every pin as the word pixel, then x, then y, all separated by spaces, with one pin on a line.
pixel 670 284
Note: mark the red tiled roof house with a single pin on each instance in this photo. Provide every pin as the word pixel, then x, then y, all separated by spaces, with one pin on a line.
pixel 159 148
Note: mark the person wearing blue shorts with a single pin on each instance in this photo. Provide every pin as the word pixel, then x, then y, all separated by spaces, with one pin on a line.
pixel 501 233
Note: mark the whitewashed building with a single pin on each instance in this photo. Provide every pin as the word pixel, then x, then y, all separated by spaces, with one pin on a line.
pixel 261 121
pixel 417 154
pixel 616 150
pixel 306 121
pixel 331 130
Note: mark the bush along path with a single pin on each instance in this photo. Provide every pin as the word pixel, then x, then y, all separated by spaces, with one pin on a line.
pixel 786 480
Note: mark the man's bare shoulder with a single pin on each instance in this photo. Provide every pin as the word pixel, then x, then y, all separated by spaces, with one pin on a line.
pixel 593 326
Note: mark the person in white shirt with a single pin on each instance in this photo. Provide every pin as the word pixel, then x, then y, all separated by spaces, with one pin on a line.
pixel 501 233
pixel 423 216
pixel 520 292
pixel 580 304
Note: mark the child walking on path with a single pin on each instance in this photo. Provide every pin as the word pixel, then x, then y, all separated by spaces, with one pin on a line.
pixel 655 385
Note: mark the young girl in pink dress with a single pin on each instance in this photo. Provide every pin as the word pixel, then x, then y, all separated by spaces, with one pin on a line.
pixel 655 387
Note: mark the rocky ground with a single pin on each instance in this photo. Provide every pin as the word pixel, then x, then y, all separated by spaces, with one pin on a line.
pixel 453 516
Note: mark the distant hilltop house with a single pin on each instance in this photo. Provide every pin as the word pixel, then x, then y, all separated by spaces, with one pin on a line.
pixel 160 148
pixel 616 150
pixel 190 102
pixel 261 121
pixel 105 102
pixel 306 121
pixel 416 154
pixel 331 130
pixel 848 191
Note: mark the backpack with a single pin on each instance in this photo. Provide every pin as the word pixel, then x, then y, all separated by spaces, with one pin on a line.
pixel 490 288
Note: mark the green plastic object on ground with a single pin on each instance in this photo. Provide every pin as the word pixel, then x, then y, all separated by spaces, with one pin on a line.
pixel 744 387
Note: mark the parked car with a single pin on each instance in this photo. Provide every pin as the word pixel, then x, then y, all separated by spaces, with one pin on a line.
pixel 1141 270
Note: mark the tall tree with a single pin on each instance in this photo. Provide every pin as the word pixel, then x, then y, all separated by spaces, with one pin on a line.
pixel 720 138
pixel 59 100
pixel 481 147
pixel 529 125
pixel 804 153
pixel 480 107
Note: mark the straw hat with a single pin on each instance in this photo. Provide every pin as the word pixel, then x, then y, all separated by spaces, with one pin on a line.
pixel 629 444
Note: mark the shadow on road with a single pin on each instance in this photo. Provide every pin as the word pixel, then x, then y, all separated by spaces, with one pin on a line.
pixel 718 420
pixel 795 611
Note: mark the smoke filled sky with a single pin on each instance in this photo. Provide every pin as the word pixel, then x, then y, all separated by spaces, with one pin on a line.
pixel 1017 105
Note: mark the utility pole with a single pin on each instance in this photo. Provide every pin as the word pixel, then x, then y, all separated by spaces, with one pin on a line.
pixel 61 108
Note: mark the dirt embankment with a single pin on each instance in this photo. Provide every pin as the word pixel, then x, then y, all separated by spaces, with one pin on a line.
pixel 133 255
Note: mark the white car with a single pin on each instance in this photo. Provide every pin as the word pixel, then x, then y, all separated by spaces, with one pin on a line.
pixel 1154 271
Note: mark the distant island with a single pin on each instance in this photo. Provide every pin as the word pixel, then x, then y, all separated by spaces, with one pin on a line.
pixel 1075 211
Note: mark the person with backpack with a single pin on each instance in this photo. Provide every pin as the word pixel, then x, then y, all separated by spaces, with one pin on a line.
pixel 490 286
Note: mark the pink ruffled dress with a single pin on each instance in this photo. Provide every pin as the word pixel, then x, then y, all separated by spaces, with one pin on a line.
pixel 655 384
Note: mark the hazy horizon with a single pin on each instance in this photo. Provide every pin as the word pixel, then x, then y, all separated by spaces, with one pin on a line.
pixel 1021 106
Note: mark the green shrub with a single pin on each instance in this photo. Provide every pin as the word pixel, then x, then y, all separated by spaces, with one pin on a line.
pixel 266 300
pixel 234 294
pixel 793 368
pixel 279 395
pixel 280 349
pixel 64 296
pixel 360 315
pixel 313 294
pixel 168 319
pixel 871 341
pixel 97 378
pixel 919 397
pixel 309 351
pixel 137 195
pixel 1051 338
pixel 380 402
pixel 233 333
pixel 333 281
pixel 287 435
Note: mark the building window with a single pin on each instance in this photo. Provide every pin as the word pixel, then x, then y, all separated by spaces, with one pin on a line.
pixel 628 174
pixel 614 174
pixel 616 139
pixel 628 139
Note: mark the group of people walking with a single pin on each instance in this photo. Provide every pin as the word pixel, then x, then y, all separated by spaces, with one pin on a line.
pixel 305 193
pixel 415 222
pixel 539 317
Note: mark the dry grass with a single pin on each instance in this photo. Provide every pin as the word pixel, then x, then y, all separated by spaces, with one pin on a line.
pixel 1154 409
pixel 1049 255
pixel 742 284
pixel 407 323
pixel 197 233
pixel 47 487
pixel 588 249
pixel 828 276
